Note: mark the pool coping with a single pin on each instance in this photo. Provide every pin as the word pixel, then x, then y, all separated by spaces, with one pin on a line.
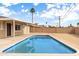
pixel 13 44
pixel 66 44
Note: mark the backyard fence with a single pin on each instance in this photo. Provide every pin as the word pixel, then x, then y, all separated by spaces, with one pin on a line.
pixel 71 30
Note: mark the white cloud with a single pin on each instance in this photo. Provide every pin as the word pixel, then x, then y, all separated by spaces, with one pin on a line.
pixel 37 14
pixel 22 6
pixel 72 15
pixel 9 4
pixel 50 6
pixel 24 10
pixel 12 12
pixel 35 4
pixel 50 13
pixel 55 12
pixel 4 11
pixel 57 5
pixel 76 8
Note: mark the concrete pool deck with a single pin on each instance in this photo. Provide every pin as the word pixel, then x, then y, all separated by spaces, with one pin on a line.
pixel 68 39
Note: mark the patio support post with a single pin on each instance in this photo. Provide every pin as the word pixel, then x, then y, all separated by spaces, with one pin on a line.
pixel 13 28
pixel 1 25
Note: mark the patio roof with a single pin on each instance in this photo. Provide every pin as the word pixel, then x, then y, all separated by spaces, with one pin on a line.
pixel 3 18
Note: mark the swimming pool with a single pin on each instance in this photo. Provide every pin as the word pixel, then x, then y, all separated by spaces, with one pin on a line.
pixel 40 44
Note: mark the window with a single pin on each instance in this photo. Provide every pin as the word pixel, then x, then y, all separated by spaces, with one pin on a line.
pixel 17 27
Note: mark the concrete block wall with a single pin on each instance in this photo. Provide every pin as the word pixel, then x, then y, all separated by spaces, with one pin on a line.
pixel 42 30
pixel 52 30
pixel 77 30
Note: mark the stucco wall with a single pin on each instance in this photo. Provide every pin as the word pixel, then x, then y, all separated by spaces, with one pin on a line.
pixel 26 29
pixel 2 34
pixel 18 32
pixel 2 31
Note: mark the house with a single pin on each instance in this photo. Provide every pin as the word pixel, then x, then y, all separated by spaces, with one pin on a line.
pixel 12 27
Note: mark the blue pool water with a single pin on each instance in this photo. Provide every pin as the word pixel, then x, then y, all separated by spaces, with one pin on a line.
pixel 39 44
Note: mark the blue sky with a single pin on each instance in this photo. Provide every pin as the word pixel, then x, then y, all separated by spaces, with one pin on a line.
pixel 45 12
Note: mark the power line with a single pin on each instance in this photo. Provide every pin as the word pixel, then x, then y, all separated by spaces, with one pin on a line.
pixel 67 13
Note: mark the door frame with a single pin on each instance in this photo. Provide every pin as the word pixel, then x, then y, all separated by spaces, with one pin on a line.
pixel 6 29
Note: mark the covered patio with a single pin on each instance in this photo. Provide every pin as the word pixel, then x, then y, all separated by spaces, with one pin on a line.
pixel 11 27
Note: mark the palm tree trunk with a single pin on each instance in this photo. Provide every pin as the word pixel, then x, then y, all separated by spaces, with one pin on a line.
pixel 32 17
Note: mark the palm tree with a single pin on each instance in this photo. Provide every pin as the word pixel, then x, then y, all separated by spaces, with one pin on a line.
pixel 32 11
